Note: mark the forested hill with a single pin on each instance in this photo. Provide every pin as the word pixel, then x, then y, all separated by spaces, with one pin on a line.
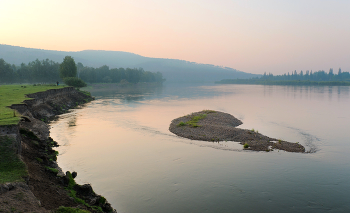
pixel 173 70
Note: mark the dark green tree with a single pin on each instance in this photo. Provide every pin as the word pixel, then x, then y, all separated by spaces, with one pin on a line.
pixel 68 68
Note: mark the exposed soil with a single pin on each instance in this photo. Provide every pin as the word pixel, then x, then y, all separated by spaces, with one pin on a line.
pixel 45 188
pixel 45 185
pixel 43 191
pixel 20 199
pixel 219 126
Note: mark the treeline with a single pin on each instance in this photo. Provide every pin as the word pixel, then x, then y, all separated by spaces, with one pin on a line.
pixel 284 82
pixel 47 71
pixel 106 75
pixel 307 78
pixel 310 76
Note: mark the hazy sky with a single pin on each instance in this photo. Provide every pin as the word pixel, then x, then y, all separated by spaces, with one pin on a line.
pixel 254 36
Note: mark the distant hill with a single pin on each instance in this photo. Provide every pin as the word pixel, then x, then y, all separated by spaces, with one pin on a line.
pixel 173 70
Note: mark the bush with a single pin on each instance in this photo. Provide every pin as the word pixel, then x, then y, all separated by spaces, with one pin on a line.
pixel 74 82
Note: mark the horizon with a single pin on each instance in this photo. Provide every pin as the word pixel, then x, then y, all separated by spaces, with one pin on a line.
pixel 255 37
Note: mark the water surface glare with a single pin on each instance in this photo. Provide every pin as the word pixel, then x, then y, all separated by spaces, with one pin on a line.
pixel 120 143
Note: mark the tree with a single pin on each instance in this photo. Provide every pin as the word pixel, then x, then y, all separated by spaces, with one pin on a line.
pixel 68 68
pixel 74 82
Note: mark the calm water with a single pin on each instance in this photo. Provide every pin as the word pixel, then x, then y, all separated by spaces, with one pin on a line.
pixel 120 143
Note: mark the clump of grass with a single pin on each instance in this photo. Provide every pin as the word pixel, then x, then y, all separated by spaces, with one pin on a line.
pixel 39 160
pixel 194 120
pixel 53 170
pixel 102 200
pixel 279 141
pixel 181 124
pixel 63 209
pixel 246 146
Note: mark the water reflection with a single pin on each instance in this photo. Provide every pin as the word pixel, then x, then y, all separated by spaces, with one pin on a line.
pixel 120 143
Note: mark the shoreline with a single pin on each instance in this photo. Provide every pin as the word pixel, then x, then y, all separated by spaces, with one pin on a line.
pixel 46 182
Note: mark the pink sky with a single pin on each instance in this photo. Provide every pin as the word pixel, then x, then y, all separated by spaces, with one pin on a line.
pixel 255 36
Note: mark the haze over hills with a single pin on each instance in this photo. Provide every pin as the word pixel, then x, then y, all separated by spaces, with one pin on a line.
pixel 173 70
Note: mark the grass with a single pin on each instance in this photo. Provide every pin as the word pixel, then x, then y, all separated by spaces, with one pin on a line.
pixel 12 169
pixel 182 124
pixel 15 94
pixel 246 146
pixel 193 122
pixel 53 170
pixel 39 160
pixel 63 209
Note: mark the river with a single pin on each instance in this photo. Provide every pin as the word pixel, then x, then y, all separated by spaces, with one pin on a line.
pixel 120 143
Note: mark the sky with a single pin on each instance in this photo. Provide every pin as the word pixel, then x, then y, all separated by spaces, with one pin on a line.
pixel 255 36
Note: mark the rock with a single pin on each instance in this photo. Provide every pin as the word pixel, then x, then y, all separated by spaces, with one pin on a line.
pixel 10 186
pixel 84 190
pixel 74 174
pixel 4 188
pixel 108 208
pixel 92 201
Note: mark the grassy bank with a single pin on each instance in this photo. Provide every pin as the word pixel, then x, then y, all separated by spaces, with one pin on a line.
pixel 15 94
pixel 12 169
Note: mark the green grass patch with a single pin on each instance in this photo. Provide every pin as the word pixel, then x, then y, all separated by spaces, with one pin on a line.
pixel 12 169
pixel 193 122
pixel 182 124
pixel 63 209
pixel 246 146
pixel 39 160
pixel 15 94
pixel 53 170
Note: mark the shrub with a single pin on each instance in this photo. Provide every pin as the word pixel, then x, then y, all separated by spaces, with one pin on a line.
pixel 245 145
pixel 74 82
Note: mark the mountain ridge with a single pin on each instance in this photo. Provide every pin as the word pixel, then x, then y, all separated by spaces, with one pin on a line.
pixel 173 69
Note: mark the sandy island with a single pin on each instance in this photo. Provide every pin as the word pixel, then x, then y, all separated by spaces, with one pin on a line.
pixel 209 125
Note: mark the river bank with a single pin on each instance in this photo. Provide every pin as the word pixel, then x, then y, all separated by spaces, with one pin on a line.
pixel 45 187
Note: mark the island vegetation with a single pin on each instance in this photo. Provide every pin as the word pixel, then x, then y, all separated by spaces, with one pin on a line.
pixel 319 78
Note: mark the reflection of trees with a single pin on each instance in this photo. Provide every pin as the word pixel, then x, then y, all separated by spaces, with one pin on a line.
pixel 131 92
pixel 72 120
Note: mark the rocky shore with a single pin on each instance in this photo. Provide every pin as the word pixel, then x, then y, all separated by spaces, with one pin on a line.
pixel 47 188
pixel 209 125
